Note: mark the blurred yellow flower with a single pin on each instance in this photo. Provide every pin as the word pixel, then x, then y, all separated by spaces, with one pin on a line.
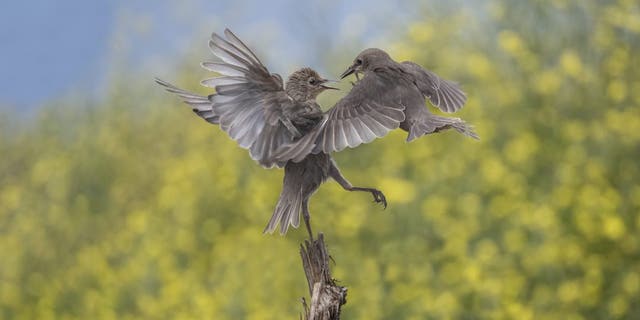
pixel 128 208
pixel 521 148
pixel 569 291
pixel 421 32
pixel 511 42
pixel 547 82
pixel 398 190
pixel 613 227
pixel 617 90
pixel 618 306
pixel 571 64
pixel 479 66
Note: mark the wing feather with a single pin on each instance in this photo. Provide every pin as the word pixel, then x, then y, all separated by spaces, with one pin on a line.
pixel 220 81
pixel 353 139
pixel 226 55
pixel 339 136
pixel 248 102
pixel 443 94
pixel 225 69
pixel 368 112
pixel 200 104
pixel 234 40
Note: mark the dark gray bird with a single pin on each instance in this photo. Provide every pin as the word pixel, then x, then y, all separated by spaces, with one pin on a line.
pixel 390 95
pixel 303 178
pixel 262 115
pixel 414 84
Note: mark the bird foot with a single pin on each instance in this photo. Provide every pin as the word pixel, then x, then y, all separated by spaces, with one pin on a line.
pixel 378 197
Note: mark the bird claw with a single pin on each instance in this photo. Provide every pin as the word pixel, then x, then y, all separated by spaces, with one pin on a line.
pixel 378 197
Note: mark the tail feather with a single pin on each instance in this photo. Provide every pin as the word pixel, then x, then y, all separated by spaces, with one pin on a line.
pixel 433 123
pixel 287 212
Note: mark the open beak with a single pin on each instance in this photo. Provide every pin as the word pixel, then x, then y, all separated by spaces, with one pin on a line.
pixel 328 87
pixel 347 72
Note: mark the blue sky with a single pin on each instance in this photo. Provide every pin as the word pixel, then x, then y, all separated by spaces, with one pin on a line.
pixel 51 48
pixel 47 45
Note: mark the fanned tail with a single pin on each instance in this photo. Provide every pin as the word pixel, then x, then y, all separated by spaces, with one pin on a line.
pixel 287 212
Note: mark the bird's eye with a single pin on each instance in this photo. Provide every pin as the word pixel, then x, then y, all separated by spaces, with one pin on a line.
pixel 312 81
pixel 359 61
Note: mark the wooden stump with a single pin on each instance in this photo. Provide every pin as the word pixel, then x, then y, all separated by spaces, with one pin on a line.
pixel 326 297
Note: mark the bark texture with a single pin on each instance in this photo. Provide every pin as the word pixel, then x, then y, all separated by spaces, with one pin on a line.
pixel 326 297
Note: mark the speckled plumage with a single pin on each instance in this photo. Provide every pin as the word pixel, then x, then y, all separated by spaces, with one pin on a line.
pixel 256 110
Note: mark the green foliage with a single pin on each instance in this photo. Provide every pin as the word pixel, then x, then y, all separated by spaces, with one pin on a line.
pixel 137 209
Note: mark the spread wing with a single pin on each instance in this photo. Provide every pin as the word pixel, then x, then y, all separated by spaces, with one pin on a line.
pixel 200 104
pixel 372 109
pixel 249 102
pixel 444 94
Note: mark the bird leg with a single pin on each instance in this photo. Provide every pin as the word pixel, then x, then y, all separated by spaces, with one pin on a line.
pixel 378 196
pixel 307 217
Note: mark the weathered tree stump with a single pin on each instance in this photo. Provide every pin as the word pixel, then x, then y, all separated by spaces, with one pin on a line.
pixel 326 297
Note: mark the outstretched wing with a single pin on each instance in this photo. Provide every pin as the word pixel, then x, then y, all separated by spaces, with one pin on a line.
pixel 249 102
pixel 200 104
pixel 444 94
pixel 372 109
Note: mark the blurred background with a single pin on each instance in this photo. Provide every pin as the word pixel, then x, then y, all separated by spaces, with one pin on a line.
pixel 117 202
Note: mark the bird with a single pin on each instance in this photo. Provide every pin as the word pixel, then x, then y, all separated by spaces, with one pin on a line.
pixel 390 95
pixel 264 115
pixel 413 84
pixel 302 179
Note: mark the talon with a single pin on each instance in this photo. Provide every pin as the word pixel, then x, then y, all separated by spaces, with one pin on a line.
pixel 380 198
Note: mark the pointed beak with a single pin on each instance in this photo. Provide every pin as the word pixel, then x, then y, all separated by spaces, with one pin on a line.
pixel 347 72
pixel 328 87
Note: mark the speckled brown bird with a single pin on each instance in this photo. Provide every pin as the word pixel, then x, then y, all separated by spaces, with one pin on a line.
pixel 391 95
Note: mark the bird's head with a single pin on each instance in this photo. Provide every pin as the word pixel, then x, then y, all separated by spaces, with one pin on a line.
pixel 368 59
pixel 306 84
